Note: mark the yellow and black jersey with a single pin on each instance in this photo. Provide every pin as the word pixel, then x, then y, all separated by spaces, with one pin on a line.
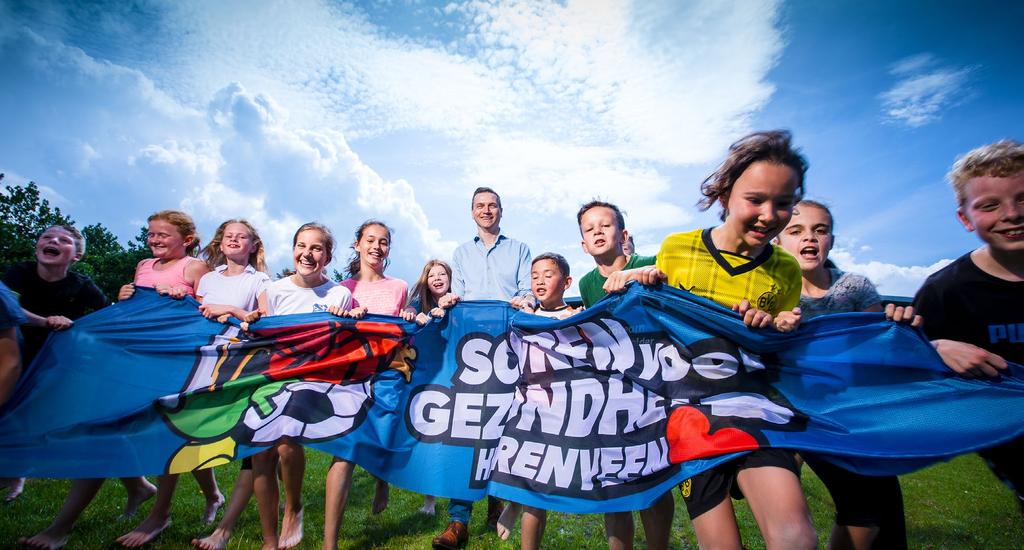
pixel 770 282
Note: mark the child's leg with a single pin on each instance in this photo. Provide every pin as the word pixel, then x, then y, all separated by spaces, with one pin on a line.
pixel 534 520
pixel 507 520
pixel 709 506
pixel 657 522
pixel 777 502
pixel 293 468
pixel 264 486
pixel 1007 463
pixel 866 507
pixel 15 486
pixel 339 481
pixel 214 499
pixel 380 497
pixel 429 504
pixel 56 534
pixel 159 517
pixel 240 496
pixel 618 527
pixel 139 490
pixel 716 529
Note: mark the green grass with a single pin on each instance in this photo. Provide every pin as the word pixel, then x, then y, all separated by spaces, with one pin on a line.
pixel 954 505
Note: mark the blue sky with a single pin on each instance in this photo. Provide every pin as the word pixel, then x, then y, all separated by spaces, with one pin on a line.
pixel 290 112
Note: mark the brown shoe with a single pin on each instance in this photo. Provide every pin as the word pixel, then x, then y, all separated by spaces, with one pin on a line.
pixel 494 509
pixel 454 537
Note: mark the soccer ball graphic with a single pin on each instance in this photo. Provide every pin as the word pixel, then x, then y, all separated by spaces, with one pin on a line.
pixel 309 411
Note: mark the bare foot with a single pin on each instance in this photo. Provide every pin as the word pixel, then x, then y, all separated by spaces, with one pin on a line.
pixel 15 486
pixel 429 503
pixel 210 513
pixel 44 541
pixel 217 540
pixel 291 531
pixel 380 497
pixel 149 529
pixel 136 497
pixel 507 519
pixel 269 546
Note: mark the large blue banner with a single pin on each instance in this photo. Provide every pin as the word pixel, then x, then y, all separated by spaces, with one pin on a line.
pixel 604 411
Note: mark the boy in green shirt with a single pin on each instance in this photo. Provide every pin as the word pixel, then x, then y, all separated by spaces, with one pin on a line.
pixel 604 232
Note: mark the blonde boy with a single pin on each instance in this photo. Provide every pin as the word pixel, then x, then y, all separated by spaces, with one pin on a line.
pixel 973 309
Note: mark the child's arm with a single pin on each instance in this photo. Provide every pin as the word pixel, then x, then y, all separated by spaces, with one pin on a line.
pixel 753 317
pixel 216 311
pixel 354 313
pixel 193 272
pixel 447 301
pixel 969 360
pixel 523 303
pixel 53 322
pixel 901 314
pixel 787 321
pixel 262 307
pixel 647 275
pixel 128 290
pixel 10 362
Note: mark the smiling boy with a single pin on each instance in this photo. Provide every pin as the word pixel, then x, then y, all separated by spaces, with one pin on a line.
pixel 973 309
pixel 52 296
pixel 549 279
pixel 604 233
pixel 603 229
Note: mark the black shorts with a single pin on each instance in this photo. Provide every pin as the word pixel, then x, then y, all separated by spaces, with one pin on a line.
pixel 708 489
pixel 861 501
pixel 1007 463
pixel 246 464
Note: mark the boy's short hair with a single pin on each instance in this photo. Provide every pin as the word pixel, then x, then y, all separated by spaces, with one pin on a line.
pixel 598 203
pixel 479 190
pixel 559 260
pixel 76 236
pixel 1001 159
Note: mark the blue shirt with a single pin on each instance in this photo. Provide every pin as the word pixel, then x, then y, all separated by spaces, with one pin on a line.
pixel 498 273
pixel 11 314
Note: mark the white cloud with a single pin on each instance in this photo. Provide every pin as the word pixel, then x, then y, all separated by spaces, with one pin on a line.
pixel 554 178
pixel 891 279
pixel 239 109
pixel 124 148
pixel 660 81
pixel 923 90
pixel 281 177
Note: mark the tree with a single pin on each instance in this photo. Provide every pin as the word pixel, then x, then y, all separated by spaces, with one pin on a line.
pixel 24 215
pixel 108 262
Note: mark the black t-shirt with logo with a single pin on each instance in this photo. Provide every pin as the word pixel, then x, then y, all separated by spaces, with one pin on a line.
pixel 962 302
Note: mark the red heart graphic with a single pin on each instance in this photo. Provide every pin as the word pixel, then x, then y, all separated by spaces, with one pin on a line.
pixel 688 437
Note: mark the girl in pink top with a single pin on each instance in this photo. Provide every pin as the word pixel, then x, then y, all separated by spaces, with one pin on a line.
pixel 372 292
pixel 173 270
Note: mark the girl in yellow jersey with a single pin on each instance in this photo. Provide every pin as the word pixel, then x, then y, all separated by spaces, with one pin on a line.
pixel 735 264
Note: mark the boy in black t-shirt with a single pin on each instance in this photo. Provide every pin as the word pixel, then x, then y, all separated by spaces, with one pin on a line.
pixel 974 308
pixel 51 296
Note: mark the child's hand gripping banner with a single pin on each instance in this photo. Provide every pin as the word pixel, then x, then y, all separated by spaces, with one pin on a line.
pixel 601 412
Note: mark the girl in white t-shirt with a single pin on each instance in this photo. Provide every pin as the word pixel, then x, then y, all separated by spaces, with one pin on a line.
pixel 233 289
pixel 307 290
